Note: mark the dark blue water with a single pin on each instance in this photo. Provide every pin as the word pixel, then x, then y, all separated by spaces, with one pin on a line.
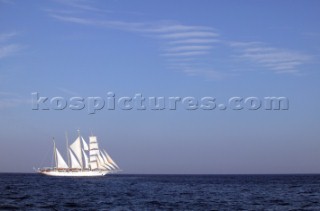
pixel 160 192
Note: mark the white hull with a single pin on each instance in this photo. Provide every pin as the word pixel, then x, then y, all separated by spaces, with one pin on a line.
pixel 75 174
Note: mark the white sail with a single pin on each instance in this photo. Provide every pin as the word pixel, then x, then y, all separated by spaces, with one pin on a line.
pixel 60 161
pixel 86 160
pixel 93 165
pixel 107 168
pixel 96 162
pixel 101 164
pixel 84 144
pixel 93 152
pixel 94 145
pixel 74 162
pixel 106 162
pixel 110 160
pixel 76 148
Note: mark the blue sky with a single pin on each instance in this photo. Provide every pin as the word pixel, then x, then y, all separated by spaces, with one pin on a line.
pixel 163 48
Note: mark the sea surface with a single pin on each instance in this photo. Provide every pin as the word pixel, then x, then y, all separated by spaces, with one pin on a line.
pixel 160 192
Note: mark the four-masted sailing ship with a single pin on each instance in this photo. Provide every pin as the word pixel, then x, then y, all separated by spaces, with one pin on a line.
pixel 83 160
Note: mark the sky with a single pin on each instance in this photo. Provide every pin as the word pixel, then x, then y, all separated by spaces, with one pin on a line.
pixel 219 49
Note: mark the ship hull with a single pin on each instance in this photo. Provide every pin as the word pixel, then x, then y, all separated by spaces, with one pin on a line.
pixel 75 174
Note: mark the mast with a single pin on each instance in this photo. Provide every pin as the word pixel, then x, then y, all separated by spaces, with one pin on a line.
pixel 81 161
pixel 55 152
pixel 68 153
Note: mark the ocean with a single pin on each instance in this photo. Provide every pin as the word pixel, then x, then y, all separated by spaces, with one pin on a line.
pixel 160 192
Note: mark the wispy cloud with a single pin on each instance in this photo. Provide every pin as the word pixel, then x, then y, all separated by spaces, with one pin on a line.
pixel 69 92
pixel 121 25
pixel 73 19
pixel 190 43
pixel 11 100
pixel 171 27
pixel 81 5
pixel 7 48
pixel 10 103
pixel 186 53
pixel 178 40
pixel 7 1
pixel 188 48
pixel 60 11
pixel 194 41
pixel 3 93
pixel 7 36
pixel 189 34
pixel 311 34
pixel 275 59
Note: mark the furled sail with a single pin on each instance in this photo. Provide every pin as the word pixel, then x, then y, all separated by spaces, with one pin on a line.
pixel 76 148
pixel 74 162
pixel 60 161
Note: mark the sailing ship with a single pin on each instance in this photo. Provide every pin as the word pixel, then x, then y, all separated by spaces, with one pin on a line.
pixel 83 160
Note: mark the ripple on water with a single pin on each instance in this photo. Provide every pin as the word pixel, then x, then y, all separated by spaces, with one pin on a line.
pixel 153 192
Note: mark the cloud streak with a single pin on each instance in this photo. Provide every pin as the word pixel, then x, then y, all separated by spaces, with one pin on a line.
pixel 186 53
pixel 180 40
pixel 8 49
pixel 81 5
pixel 190 43
pixel 275 59
pixel 189 34
pixel 189 48
pixel 194 41
pixel 7 1
pixel 11 100
pixel 68 92
pixel 7 36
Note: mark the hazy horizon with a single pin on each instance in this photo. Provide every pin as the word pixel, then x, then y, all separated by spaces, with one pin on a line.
pixel 218 49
